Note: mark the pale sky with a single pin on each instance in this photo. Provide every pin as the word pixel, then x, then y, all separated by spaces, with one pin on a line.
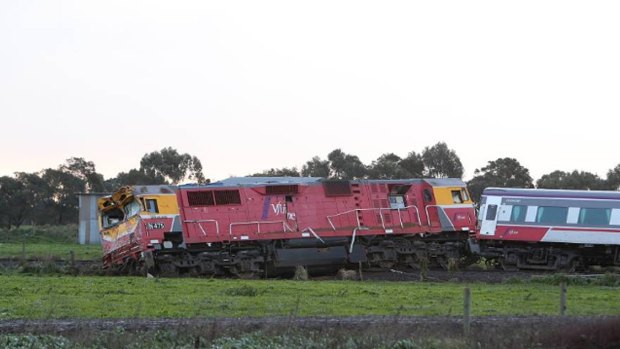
pixel 250 85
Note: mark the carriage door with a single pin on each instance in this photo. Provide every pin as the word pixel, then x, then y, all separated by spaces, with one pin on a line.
pixel 489 215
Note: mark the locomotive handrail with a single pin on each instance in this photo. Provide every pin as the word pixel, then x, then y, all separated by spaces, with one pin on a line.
pixel 313 233
pixel 258 223
pixel 353 237
pixel 217 225
pixel 380 209
pixel 428 218
pixel 417 212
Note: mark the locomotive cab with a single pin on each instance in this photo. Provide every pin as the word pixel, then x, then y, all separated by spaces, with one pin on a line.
pixel 135 220
pixel 449 205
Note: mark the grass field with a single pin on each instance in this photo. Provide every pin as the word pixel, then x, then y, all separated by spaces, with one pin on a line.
pixel 49 251
pixel 45 242
pixel 122 297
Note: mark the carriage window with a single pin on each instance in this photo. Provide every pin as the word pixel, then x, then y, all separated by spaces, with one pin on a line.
pixel 551 215
pixel 491 212
pixel 518 213
pixel 151 205
pixel 594 216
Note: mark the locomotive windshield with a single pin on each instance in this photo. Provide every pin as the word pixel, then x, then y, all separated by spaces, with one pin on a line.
pixel 112 217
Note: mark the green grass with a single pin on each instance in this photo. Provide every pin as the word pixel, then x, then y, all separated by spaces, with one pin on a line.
pixel 40 234
pixel 122 297
pixel 256 340
pixel 45 242
pixel 50 251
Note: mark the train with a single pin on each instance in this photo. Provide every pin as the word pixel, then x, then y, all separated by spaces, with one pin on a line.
pixel 263 226
pixel 545 229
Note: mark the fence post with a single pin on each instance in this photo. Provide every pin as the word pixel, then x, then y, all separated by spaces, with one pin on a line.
pixel 72 259
pixel 466 311
pixel 23 252
pixel 563 298
pixel 361 276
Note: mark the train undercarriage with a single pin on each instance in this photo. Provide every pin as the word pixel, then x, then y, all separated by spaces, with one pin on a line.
pixel 548 257
pixel 269 258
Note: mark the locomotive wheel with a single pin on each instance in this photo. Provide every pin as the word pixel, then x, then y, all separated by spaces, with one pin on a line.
pixel 386 264
pixel 574 265
pixel 507 267
pixel 168 269
pixel 466 261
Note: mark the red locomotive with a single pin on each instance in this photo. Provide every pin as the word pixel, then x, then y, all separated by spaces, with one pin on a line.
pixel 256 225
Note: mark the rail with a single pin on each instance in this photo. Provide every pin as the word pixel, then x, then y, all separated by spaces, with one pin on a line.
pixel 204 232
pixel 380 209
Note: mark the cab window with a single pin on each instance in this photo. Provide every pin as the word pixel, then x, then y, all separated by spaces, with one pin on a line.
pixel 151 205
pixel 457 197
pixel 112 218
pixel 464 195
pixel 427 196
pixel 132 209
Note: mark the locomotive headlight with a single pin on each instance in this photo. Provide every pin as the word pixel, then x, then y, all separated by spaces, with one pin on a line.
pixel 154 241
pixel 167 244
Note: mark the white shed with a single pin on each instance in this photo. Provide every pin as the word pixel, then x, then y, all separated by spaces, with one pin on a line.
pixel 88 227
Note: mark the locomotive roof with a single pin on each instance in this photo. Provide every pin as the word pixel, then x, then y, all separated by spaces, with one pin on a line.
pixel 553 193
pixel 153 189
pixel 254 181
pixel 234 181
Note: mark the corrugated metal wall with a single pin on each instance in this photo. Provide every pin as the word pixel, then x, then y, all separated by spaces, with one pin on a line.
pixel 88 227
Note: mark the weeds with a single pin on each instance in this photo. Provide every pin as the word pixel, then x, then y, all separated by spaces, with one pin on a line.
pixel 508 334
pixel 301 274
pixel 242 291
pixel 608 279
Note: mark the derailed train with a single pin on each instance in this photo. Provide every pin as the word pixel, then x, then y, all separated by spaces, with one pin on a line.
pixel 265 225
pixel 268 225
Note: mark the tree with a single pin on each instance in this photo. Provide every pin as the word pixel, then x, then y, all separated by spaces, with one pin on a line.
pixel 37 197
pixel 12 206
pixel 345 166
pixel 503 172
pixel 85 170
pixel 387 166
pixel 135 177
pixel 413 164
pixel 613 178
pixel 316 168
pixel 63 187
pixel 571 180
pixel 278 172
pixel 441 162
pixel 22 197
pixel 172 166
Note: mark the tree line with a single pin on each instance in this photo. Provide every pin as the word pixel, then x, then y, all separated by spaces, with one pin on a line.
pixel 49 196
